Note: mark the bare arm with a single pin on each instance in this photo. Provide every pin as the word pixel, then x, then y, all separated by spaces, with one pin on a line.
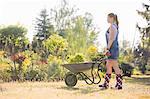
pixel 111 36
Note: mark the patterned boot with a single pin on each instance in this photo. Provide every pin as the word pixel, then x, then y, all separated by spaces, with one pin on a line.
pixel 118 81
pixel 106 83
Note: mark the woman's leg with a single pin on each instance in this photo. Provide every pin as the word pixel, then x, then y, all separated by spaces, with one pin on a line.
pixel 108 75
pixel 118 75
pixel 116 67
pixel 109 65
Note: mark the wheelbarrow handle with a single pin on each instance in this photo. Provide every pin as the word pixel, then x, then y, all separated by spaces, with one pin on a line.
pixel 101 59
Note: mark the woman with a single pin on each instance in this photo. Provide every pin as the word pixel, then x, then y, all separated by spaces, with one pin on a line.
pixel 112 51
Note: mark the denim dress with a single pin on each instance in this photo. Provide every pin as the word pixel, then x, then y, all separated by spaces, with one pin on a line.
pixel 114 50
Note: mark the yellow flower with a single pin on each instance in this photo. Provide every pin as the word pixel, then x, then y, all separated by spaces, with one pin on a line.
pixel 4 65
pixel 92 49
pixel 2 53
pixel 27 62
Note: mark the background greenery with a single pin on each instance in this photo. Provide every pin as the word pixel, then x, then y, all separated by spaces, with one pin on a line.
pixel 62 37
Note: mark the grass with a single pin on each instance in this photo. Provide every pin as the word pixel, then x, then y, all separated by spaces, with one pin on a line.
pixel 136 87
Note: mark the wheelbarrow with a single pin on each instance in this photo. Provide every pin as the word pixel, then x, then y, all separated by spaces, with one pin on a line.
pixel 79 69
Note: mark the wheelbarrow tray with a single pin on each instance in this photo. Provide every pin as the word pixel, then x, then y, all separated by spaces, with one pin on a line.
pixel 80 67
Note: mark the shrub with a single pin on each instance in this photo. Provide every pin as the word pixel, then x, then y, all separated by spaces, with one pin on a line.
pixel 55 70
pixel 56 44
pixel 36 74
pixel 136 71
pixel 92 51
pixel 97 56
pixel 5 74
pixel 127 69
pixel 77 58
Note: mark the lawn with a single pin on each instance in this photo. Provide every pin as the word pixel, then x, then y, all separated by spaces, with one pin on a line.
pixel 136 87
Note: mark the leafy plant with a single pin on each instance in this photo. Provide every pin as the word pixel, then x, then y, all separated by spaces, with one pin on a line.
pixel 56 44
pixel 77 58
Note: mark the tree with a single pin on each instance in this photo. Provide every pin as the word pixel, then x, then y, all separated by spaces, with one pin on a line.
pixel 77 29
pixel 13 38
pixel 43 26
pixel 44 29
pixel 142 52
pixel 80 36
pixel 63 16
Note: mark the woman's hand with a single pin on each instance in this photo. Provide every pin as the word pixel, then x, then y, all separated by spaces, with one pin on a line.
pixel 107 52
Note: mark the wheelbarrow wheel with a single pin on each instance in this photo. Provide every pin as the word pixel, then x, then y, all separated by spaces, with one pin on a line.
pixel 71 80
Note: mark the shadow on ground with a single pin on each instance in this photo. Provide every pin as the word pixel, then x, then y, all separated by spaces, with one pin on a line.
pixel 142 80
pixel 69 88
pixel 83 90
pixel 139 80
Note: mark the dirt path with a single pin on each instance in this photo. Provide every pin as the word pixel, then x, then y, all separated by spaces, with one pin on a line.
pixel 134 88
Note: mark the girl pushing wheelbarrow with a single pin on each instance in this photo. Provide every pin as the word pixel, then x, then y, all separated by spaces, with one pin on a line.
pixel 112 51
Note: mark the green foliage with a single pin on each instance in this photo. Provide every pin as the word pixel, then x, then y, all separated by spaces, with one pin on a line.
pixel 36 73
pixel 55 70
pixel 77 58
pixel 148 67
pixel 80 36
pixel 127 56
pixel 136 71
pixel 78 30
pixel 142 52
pixel 126 61
pixel 63 16
pixel 97 56
pixel 13 38
pixel 127 68
pixel 43 27
pixel 5 74
pixel 37 67
pixel 56 44
pixel 92 52
pixel 59 34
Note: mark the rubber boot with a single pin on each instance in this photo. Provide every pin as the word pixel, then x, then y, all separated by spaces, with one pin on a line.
pixel 118 81
pixel 106 82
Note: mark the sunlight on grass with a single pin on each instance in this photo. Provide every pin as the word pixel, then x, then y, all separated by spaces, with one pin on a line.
pixel 134 88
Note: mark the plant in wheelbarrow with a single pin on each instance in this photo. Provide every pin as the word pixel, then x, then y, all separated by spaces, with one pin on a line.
pixel 77 58
pixel 70 78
